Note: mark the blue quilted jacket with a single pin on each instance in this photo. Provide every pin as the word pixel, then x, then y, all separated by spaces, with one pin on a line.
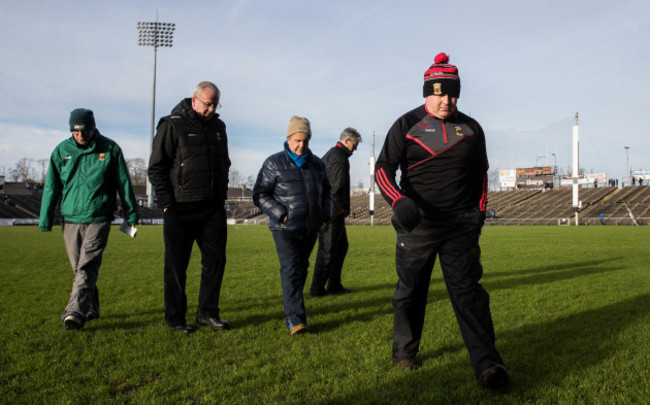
pixel 302 194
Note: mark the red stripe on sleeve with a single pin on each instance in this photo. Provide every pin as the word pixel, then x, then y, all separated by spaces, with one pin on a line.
pixel 386 186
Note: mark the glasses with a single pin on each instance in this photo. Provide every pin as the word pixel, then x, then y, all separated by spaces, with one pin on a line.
pixel 209 105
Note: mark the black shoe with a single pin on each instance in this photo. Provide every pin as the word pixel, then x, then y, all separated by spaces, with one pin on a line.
pixel 406 364
pixel 214 323
pixel 182 328
pixel 91 316
pixel 495 376
pixel 318 293
pixel 71 322
pixel 338 291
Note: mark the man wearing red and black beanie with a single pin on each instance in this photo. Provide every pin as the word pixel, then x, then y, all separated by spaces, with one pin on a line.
pixel 439 210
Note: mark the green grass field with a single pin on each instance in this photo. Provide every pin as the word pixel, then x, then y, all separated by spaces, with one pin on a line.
pixel 571 307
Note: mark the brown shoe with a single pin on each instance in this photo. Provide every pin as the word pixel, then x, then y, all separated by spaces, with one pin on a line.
pixel 299 329
pixel 406 364
pixel 495 376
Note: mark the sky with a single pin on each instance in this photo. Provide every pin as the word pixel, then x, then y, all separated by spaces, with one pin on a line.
pixel 526 68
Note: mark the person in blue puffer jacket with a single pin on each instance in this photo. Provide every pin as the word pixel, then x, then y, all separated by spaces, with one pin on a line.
pixel 292 188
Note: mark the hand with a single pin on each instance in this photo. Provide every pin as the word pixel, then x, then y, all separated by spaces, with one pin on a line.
pixel 407 213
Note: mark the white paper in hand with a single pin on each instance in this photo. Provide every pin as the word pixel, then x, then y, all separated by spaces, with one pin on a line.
pixel 128 229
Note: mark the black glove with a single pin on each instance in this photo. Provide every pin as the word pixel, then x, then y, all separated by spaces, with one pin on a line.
pixel 407 213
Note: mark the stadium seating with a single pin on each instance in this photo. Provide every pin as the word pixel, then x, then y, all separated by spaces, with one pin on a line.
pixel 523 207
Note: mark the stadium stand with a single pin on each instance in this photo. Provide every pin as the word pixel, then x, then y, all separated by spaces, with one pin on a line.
pixel 523 207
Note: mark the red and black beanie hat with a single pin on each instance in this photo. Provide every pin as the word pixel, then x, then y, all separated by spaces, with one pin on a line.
pixel 441 78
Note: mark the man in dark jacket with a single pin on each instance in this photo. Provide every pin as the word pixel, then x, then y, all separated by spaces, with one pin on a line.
pixel 189 170
pixel 332 239
pixel 439 209
pixel 293 190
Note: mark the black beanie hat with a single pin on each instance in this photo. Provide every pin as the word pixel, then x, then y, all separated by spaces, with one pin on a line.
pixel 441 78
pixel 81 119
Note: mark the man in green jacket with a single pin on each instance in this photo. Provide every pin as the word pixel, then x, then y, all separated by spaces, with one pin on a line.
pixel 86 171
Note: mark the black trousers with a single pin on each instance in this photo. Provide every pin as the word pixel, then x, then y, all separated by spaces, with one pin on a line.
pixel 456 242
pixel 185 223
pixel 332 249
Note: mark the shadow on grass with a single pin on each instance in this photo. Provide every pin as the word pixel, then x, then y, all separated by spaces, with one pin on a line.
pixel 548 274
pixel 367 309
pixel 117 321
pixel 264 307
pixel 553 267
pixel 538 356
pixel 363 304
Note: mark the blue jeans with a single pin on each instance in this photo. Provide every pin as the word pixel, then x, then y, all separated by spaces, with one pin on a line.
pixel 293 251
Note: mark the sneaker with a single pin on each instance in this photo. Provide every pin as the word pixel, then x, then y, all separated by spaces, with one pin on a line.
pixel 71 322
pixel 91 316
pixel 495 376
pixel 299 329
pixel 406 364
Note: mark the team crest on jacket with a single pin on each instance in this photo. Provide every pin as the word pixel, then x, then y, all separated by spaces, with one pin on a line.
pixel 437 89
pixel 102 157
pixel 218 136
pixel 459 131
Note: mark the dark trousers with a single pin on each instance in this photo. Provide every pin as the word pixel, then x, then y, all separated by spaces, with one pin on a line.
pixel 293 252
pixel 456 242
pixel 185 223
pixel 332 249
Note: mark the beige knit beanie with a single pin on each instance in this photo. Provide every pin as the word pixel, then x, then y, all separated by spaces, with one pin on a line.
pixel 299 124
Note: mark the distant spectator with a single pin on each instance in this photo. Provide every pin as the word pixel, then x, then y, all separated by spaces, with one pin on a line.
pixel 640 181
pixel 86 171
pixel 602 218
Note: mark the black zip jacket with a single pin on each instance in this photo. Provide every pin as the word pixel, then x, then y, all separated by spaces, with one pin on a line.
pixel 189 161
pixel 338 170
pixel 443 163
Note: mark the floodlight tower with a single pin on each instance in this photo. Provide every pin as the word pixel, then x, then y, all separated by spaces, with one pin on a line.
pixel 371 200
pixel 555 182
pixel 627 160
pixel 576 166
pixel 156 34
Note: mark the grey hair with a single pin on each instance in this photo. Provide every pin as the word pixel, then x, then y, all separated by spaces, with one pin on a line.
pixel 351 134
pixel 207 85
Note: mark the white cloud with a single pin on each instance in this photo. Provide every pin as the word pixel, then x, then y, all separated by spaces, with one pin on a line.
pixel 341 64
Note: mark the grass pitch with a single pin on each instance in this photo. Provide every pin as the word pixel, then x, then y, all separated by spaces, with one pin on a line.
pixel 571 307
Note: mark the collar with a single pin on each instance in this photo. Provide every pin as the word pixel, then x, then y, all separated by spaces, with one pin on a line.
pixel 344 148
